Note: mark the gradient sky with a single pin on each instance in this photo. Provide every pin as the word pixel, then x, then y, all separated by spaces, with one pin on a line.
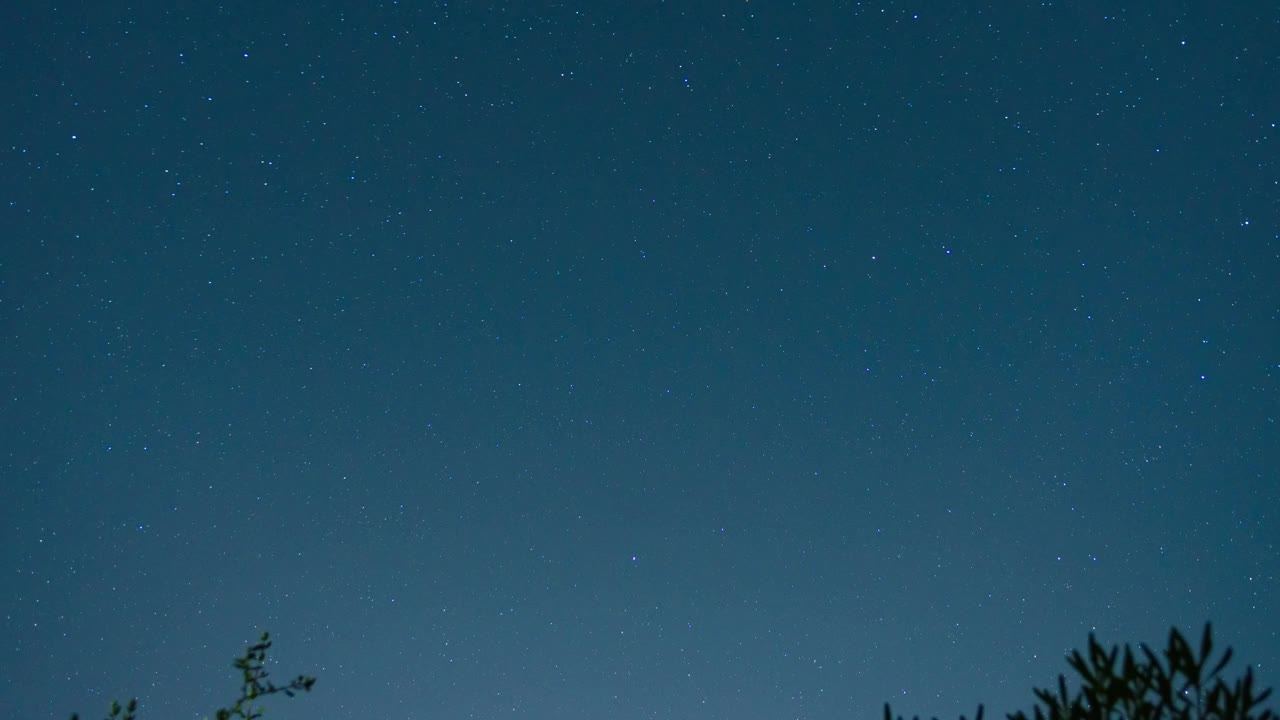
pixel 580 360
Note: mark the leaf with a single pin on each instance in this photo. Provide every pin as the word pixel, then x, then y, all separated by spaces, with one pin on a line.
pixel 1226 658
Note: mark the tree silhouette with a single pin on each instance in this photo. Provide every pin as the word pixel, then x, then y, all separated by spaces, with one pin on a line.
pixel 1185 686
pixel 254 685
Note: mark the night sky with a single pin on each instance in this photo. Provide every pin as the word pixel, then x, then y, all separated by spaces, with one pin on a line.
pixel 577 360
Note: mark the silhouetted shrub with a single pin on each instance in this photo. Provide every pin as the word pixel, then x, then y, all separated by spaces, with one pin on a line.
pixel 1185 686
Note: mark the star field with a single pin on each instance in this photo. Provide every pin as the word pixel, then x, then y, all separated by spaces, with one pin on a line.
pixel 631 360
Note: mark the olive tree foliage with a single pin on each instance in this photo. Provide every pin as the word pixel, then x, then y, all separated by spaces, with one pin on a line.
pixel 1180 683
pixel 254 685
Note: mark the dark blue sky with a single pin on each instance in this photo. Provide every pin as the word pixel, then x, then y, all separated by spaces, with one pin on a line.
pixel 632 359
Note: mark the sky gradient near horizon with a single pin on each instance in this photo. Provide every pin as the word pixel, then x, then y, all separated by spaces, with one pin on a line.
pixel 632 360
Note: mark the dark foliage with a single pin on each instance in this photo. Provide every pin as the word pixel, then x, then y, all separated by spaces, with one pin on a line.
pixel 1186 685
pixel 254 685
